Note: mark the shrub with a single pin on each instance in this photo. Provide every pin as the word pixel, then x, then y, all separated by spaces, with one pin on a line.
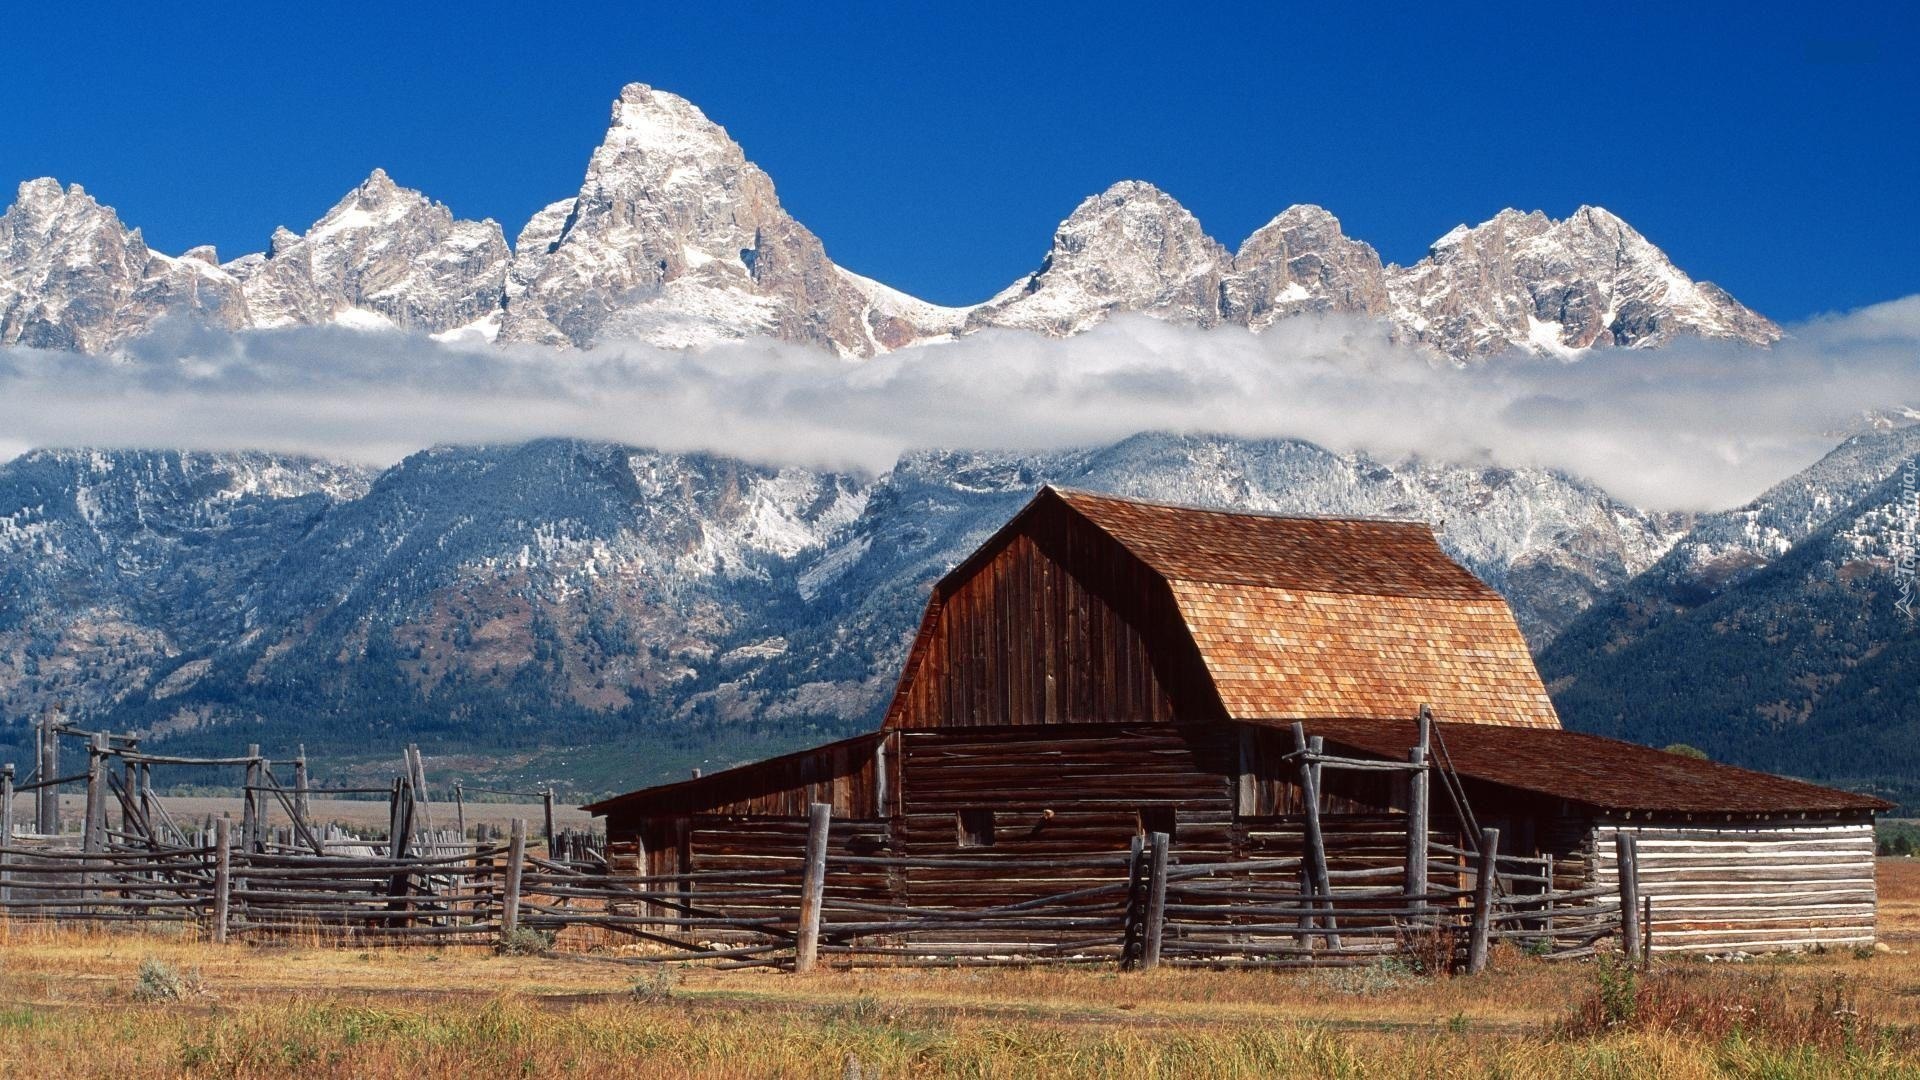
pixel 654 984
pixel 525 941
pixel 158 981
pixel 1377 977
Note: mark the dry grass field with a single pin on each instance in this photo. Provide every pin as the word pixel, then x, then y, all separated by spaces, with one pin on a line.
pixel 78 1004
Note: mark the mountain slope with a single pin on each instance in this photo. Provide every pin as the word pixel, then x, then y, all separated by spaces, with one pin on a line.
pixel 1768 636
pixel 560 592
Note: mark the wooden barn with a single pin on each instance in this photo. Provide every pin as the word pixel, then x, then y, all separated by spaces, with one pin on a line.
pixel 1102 668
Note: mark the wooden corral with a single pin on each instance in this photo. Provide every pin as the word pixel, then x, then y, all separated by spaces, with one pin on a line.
pixel 1103 670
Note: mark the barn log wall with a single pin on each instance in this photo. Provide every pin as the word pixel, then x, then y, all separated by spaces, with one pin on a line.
pixel 1056 623
pixel 1096 780
pixel 1750 885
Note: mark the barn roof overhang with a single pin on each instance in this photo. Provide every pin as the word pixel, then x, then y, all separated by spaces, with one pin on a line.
pixel 727 783
pixel 1607 775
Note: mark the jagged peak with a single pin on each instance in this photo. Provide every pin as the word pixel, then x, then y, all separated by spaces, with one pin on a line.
pixel 1295 217
pixel 45 192
pixel 657 121
pixel 1125 191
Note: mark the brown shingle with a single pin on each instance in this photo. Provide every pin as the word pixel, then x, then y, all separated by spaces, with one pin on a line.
pixel 1328 617
pixel 1326 555
pixel 1603 773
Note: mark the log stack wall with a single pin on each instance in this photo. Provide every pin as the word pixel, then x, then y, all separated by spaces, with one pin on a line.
pixel 1750 886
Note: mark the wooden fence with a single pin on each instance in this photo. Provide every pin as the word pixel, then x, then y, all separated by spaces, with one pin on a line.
pixel 1136 909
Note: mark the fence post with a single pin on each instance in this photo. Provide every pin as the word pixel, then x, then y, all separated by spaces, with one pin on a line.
pixel 302 798
pixel 46 819
pixel 96 823
pixel 222 879
pixel 249 804
pixel 1133 935
pixel 1484 873
pixel 460 811
pixel 547 798
pixel 1627 863
pixel 1156 901
pixel 813 883
pixel 1418 793
pixel 1316 852
pixel 6 826
pixel 510 891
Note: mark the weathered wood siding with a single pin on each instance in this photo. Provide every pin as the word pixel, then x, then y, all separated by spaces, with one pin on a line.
pixel 1751 886
pixel 1055 624
pixel 1096 780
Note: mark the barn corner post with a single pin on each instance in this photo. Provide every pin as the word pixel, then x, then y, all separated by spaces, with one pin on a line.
pixel 1626 858
pixel 813 881
pixel 1485 871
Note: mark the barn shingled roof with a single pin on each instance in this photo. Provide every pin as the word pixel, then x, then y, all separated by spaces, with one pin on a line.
pixel 1603 773
pixel 1330 617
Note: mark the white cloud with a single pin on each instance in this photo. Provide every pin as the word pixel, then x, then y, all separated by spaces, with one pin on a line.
pixel 1695 426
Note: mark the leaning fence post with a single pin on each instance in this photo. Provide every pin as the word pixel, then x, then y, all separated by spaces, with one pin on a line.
pixel 1485 872
pixel 1626 860
pixel 813 883
pixel 6 826
pixel 510 891
pixel 547 798
pixel 222 879
pixel 1156 901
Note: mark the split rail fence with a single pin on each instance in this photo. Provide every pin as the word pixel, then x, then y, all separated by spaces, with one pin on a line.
pixel 1136 909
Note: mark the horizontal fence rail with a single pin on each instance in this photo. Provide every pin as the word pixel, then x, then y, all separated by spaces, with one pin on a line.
pixel 796 907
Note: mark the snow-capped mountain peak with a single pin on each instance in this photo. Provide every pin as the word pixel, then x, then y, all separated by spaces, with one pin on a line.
pixel 1588 280
pixel 1132 247
pixel 675 238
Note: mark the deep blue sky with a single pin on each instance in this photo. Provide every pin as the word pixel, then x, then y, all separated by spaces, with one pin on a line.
pixel 935 149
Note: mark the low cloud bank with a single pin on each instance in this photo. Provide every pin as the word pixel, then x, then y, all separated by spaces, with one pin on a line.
pixel 1700 425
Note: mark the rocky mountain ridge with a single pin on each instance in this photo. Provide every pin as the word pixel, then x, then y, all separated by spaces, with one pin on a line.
pixel 675 238
pixel 557 590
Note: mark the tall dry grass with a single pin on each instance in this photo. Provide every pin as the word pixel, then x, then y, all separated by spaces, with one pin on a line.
pixel 312 1008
